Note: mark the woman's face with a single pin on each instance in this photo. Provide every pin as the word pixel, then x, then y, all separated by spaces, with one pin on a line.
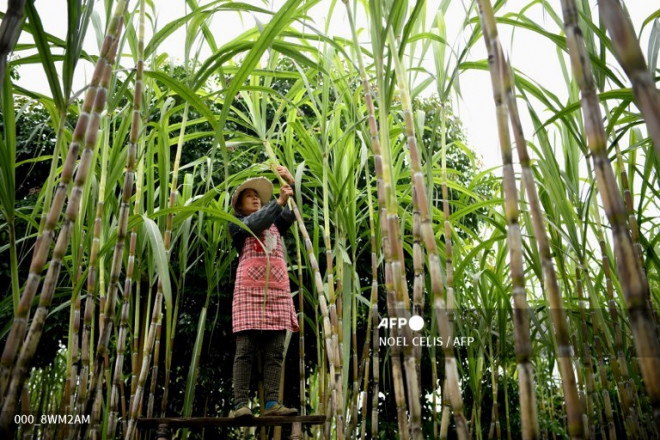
pixel 250 202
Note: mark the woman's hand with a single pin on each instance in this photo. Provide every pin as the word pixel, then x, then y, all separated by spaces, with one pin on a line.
pixel 285 192
pixel 285 174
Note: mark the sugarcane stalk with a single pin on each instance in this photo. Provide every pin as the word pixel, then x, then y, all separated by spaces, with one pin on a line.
pixel 167 238
pixel 551 285
pixel 95 366
pixel 331 339
pixel 95 429
pixel 363 374
pixel 117 260
pixel 41 252
pixel 154 368
pixel 395 284
pixel 523 346
pixel 168 353
pixel 376 374
pixel 168 346
pixel 67 402
pixel 9 168
pixel 333 300
pixel 373 311
pixel 28 428
pixel 446 411
pixel 449 266
pixel 618 360
pixel 121 338
pixel 495 420
pixel 628 202
pixel 633 279
pixel 326 406
pixel 604 392
pixel 70 373
pixel 180 289
pixel 398 302
pixel 357 367
pixel 301 336
pixel 127 192
pixel 362 368
pixel 629 54
pixel 89 305
pixel 117 381
pixel 434 398
pixel 323 394
pixel 326 232
pixel 371 318
pixel 588 414
pixel 135 352
pixel 146 361
pixel 11 27
pixel 395 354
pixel 426 230
pixel 104 72
pixel 418 281
pixel 449 247
pixel 632 220
pixel 601 378
pixel 339 306
pixel 93 267
pixel 152 345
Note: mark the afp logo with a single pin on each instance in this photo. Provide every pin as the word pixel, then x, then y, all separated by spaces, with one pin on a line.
pixel 416 323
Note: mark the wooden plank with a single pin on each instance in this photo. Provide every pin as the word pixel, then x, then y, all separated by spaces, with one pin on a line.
pixel 201 422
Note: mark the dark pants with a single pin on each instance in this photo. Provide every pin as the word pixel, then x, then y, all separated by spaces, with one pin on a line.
pixel 271 345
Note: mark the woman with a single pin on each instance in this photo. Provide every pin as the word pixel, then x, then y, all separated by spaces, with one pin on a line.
pixel 262 307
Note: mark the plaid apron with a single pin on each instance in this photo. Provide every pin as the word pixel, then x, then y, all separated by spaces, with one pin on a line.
pixel 262 295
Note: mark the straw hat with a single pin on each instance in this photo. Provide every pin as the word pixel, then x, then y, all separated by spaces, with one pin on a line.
pixel 261 185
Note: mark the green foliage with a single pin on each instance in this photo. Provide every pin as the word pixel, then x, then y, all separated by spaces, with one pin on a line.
pixel 301 94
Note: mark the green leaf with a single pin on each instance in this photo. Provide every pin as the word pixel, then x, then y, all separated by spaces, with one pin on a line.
pixel 185 92
pixel 8 151
pixel 48 63
pixel 276 25
pixel 160 259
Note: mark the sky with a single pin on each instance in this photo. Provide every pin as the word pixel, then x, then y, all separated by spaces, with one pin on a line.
pixel 532 54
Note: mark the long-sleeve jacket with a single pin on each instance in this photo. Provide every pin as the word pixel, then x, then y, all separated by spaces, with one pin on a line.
pixel 258 221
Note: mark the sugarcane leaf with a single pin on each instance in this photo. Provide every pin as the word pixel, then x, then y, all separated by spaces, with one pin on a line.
pixel 185 92
pixel 206 9
pixel 41 41
pixel 654 46
pixel 8 151
pixel 79 15
pixel 159 256
pixel 279 21
pixel 208 35
pixel 654 16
